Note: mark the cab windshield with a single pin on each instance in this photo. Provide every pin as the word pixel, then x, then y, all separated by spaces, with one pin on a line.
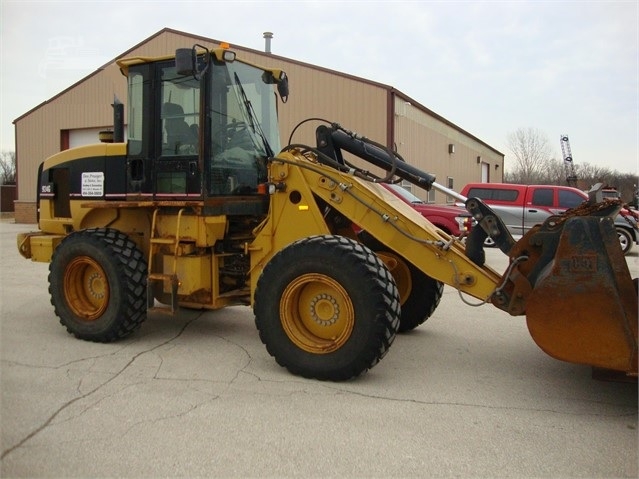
pixel 244 130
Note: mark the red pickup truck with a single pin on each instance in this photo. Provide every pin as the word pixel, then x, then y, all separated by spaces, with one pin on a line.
pixel 454 220
pixel 523 206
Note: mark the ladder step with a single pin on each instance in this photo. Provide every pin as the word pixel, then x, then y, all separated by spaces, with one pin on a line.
pixel 160 277
pixel 163 240
pixel 153 276
pixel 161 309
pixel 174 291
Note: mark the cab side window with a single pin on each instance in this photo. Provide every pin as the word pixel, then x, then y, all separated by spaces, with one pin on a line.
pixel 179 113
pixel 542 197
pixel 494 194
pixel 569 199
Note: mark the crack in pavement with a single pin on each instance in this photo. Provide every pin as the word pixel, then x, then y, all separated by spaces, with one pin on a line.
pixel 241 369
pixel 69 403
pixel 488 406
pixel 68 363
pixel 340 390
pixel 167 417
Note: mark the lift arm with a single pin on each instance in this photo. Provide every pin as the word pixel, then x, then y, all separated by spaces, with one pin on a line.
pixel 567 275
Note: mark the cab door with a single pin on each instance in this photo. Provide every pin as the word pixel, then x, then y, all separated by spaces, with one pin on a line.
pixel 177 173
pixel 540 204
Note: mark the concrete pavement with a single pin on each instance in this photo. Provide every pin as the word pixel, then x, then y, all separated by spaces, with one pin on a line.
pixel 468 394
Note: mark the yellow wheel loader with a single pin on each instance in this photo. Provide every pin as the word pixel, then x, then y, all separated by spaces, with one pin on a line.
pixel 197 209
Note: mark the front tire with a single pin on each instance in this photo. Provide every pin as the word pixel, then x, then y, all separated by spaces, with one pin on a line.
pixel 625 240
pixel 326 308
pixel 97 283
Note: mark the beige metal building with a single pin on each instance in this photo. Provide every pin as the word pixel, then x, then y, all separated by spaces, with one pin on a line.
pixel 76 115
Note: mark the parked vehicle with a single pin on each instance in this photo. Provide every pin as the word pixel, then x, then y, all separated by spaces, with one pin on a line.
pixel 452 219
pixel 611 193
pixel 523 206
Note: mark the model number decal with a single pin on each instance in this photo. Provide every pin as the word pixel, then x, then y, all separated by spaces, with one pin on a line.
pixel 46 189
pixel 93 183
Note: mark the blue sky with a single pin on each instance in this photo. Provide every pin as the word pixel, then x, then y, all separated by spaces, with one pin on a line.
pixel 562 67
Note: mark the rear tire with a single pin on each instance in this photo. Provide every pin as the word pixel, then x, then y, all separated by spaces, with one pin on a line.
pixel 97 282
pixel 327 308
pixel 420 294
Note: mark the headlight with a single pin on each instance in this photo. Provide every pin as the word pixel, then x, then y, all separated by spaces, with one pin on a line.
pixel 465 223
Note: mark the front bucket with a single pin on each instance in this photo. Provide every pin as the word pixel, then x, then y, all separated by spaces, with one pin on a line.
pixel 583 307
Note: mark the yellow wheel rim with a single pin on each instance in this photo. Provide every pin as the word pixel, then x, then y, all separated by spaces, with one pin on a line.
pixel 86 288
pixel 317 314
pixel 401 273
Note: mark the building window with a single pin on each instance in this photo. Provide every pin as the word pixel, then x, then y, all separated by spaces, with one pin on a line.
pixel 450 186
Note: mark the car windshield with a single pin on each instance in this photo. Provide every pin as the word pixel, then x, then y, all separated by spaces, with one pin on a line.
pixel 405 194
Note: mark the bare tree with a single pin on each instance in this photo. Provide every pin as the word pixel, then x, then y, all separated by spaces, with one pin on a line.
pixel 554 173
pixel 625 183
pixel 532 163
pixel 531 154
pixel 7 167
pixel 592 174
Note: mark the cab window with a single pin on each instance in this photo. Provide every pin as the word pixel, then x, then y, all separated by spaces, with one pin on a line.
pixel 493 194
pixel 136 110
pixel 542 197
pixel 179 113
pixel 570 199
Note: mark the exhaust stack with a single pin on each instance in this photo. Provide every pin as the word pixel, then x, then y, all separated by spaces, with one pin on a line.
pixel 268 36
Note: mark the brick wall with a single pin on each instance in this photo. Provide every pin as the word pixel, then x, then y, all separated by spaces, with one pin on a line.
pixel 25 212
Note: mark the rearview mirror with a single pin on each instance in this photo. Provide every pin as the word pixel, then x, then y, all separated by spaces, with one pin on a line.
pixel 282 87
pixel 186 61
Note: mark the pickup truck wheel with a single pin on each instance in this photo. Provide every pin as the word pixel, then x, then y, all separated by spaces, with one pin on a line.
pixel 327 308
pixel 625 239
pixel 97 282
pixel 420 294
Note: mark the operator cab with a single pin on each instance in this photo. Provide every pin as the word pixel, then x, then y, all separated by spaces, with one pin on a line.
pixel 200 126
